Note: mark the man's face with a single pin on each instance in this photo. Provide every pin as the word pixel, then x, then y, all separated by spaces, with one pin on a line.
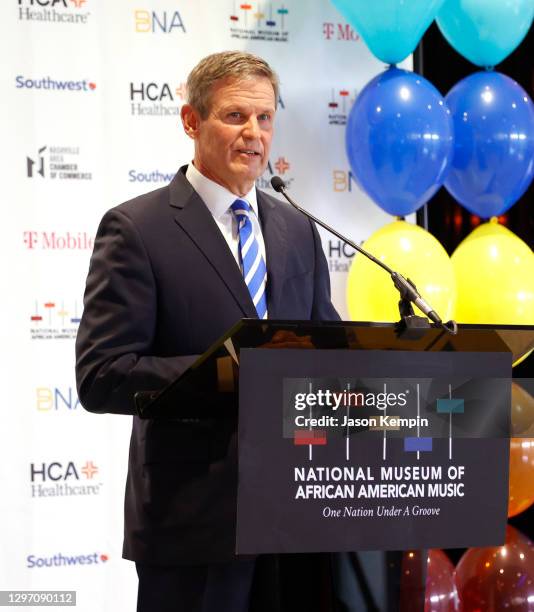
pixel 232 144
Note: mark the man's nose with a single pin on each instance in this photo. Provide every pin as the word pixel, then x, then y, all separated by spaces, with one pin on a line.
pixel 252 128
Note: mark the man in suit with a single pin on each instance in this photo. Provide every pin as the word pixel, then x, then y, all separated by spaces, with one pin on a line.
pixel 171 271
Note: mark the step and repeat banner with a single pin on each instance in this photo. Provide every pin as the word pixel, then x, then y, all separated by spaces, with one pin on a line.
pixel 91 95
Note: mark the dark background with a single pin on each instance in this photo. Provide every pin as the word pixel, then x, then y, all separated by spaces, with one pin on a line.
pixel 449 222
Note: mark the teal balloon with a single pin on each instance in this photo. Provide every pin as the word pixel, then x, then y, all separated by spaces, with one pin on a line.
pixel 390 28
pixel 485 31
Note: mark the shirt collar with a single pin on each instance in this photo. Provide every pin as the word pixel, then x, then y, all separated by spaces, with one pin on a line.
pixel 216 197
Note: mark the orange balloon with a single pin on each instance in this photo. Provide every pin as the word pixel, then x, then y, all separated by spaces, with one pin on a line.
pixel 522 412
pixel 521 475
pixel 497 578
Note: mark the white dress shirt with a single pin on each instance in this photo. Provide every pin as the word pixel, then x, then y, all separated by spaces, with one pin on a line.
pixel 218 200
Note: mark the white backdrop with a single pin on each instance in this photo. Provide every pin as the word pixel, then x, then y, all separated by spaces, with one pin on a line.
pixel 93 91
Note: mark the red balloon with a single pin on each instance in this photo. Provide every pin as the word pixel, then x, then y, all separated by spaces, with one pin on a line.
pixel 440 592
pixel 497 579
pixel 439 588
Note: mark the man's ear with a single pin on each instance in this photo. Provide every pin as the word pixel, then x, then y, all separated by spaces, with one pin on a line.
pixel 190 120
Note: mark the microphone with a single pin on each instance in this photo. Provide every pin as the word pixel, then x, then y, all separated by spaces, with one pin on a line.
pixel 405 286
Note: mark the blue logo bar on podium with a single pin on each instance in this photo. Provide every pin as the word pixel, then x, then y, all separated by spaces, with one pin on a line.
pixel 412 445
pixel 450 406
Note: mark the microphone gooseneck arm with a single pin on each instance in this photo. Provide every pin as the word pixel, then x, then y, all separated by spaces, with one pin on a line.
pixel 405 286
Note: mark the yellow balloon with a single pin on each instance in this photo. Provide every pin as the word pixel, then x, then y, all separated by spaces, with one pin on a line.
pixel 495 277
pixel 521 359
pixel 413 252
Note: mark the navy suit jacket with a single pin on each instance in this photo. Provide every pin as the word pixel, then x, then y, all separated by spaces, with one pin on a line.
pixel 162 287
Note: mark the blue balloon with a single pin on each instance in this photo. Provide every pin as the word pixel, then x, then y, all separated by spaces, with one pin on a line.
pixel 390 28
pixel 399 140
pixel 485 31
pixel 493 161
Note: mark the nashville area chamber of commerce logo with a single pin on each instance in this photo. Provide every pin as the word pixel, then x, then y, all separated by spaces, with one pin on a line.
pixel 259 21
pixel 151 98
pixel 64 560
pixel 56 162
pixel 53 11
pixel 54 320
pixel 64 479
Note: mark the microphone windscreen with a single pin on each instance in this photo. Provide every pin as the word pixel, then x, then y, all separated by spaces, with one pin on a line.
pixel 277 184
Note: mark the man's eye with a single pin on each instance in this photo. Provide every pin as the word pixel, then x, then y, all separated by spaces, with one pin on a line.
pixel 235 115
pixel 264 117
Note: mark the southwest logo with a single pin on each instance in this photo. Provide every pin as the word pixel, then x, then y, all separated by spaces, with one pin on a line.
pixel 22 82
pixel 153 176
pixel 60 560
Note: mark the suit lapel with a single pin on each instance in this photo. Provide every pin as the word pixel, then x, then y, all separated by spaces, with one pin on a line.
pixel 274 232
pixel 196 221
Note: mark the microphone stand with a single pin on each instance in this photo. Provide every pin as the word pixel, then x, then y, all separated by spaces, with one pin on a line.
pixel 410 325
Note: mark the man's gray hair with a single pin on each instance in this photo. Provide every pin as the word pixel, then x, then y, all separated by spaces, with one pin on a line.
pixel 227 64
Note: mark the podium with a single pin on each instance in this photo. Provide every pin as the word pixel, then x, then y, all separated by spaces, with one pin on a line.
pixel 353 437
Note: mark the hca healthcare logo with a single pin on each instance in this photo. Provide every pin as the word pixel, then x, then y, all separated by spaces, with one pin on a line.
pixel 53 11
pixel 57 400
pixel 161 98
pixel 158 22
pixel 280 166
pixel 55 320
pixel 339 256
pixel 47 83
pixel 156 98
pixel 57 162
pixel 267 21
pixel 64 479
pixel 64 560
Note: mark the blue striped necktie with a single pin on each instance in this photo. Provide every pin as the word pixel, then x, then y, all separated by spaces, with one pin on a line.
pixel 254 269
